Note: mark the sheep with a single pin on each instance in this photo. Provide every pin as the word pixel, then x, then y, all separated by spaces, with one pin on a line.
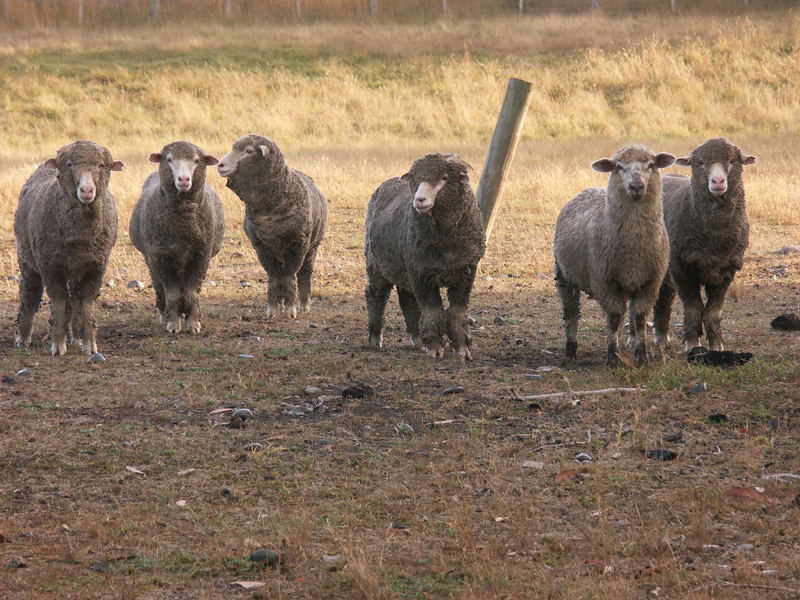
pixel 177 225
pixel 424 231
pixel 706 220
pixel 65 226
pixel 285 218
pixel 612 244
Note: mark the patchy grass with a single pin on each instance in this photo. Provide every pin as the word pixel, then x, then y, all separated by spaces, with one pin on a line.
pixel 412 509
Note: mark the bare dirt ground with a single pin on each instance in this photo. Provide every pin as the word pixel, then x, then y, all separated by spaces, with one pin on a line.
pixel 408 492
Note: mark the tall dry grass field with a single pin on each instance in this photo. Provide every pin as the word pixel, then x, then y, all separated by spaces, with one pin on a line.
pixel 446 511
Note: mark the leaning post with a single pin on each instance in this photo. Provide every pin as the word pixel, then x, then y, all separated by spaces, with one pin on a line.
pixel 501 150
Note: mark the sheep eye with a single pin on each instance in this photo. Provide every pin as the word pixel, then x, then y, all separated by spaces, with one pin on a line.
pixel 445 177
pixel 69 164
pixel 169 159
pixel 248 151
pixel 650 166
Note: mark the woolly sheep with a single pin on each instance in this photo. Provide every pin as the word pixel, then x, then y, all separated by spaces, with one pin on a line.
pixel 612 244
pixel 424 231
pixel 706 219
pixel 177 225
pixel 65 226
pixel 285 218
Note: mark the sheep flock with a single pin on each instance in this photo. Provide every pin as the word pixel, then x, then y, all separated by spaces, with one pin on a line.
pixel 632 246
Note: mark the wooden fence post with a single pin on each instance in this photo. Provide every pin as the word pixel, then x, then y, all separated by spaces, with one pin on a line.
pixel 7 11
pixel 501 150
pixel 444 7
pixel 298 8
pixel 521 6
pixel 154 10
pixel 80 13
pixel 228 9
pixel 373 6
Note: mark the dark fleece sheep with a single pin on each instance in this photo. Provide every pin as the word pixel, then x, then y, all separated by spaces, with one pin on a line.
pixel 65 227
pixel 706 219
pixel 612 244
pixel 285 218
pixel 177 225
pixel 424 231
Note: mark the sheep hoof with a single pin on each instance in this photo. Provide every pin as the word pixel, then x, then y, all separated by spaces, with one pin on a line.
pixel 718 346
pixel 89 348
pixel 464 354
pixel 659 339
pixel 571 349
pixel 173 326
pixel 376 341
pixel 688 345
pixel 291 311
pixel 305 307
pixel 20 343
pixel 271 311
pixel 416 341
pixel 193 326
pixel 641 355
pixel 436 351
pixel 58 349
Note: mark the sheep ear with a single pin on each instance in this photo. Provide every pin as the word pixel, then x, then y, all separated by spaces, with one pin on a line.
pixel 405 176
pixel 210 160
pixel 156 157
pixel 604 165
pixel 117 165
pixel 265 151
pixel 463 177
pixel 684 161
pixel 664 160
pixel 51 163
pixel 748 159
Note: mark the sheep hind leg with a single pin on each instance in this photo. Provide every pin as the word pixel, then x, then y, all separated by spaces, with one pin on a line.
pixel 571 303
pixel 83 299
pixel 712 315
pixel 31 290
pixel 377 293
pixel 662 312
pixel 411 314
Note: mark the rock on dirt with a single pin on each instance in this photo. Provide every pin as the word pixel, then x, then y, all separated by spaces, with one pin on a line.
pixel 786 322
pixel 265 557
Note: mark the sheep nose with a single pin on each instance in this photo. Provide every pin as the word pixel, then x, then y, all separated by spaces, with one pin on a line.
pixel 717 181
pixel 86 189
pixel 636 190
pixel 184 179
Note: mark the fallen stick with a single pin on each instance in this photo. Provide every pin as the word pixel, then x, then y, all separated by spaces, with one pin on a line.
pixel 579 393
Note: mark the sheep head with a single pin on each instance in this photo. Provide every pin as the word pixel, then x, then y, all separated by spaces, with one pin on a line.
pixel 715 164
pixel 437 180
pixel 632 168
pixel 84 169
pixel 252 156
pixel 182 165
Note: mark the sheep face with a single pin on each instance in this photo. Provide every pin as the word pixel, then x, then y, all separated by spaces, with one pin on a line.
pixel 178 165
pixel 714 163
pixel 631 169
pixel 250 156
pixel 83 168
pixel 430 175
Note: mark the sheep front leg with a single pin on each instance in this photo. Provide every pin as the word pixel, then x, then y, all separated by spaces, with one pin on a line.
pixel 638 322
pixel 712 314
pixel 58 319
pixel 411 314
pixel 433 319
pixel 662 312
pixel 458 298
pixel 191 304
pixel 377 293
pixel 614 320
pixel 31 289
pixel 689 293
pixel 172 316
pixel 83 299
